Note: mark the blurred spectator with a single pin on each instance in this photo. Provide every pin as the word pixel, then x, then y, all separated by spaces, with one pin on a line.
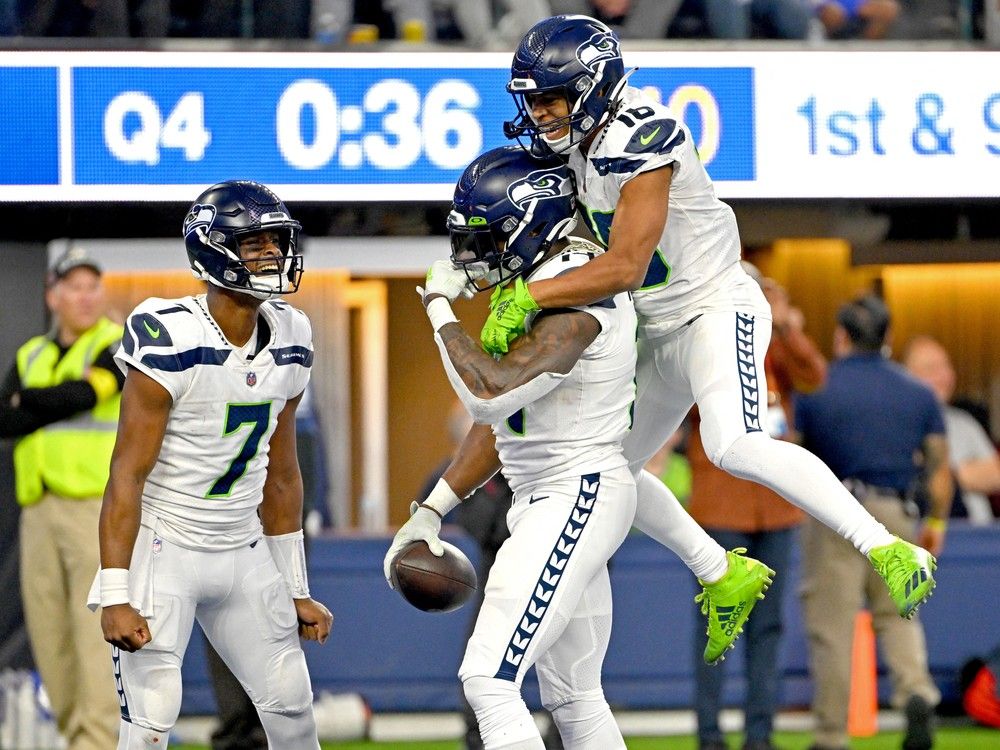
pixel 857 19
pixel 9 22
pixel 96 18
pixel 869 424
pixel 768 19
pixel 974 459
pixel 631 19
pixel 232 19
pixel 738 513
pixel 416 21
pixel 60 399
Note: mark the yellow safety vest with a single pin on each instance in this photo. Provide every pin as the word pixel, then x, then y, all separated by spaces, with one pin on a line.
pixel 70 458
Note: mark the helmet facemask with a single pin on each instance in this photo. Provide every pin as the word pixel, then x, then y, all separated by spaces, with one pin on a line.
pixel 493 255
pixel 260 277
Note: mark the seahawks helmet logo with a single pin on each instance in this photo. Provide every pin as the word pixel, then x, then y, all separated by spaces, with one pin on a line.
pixel 601 47
pixel 539 185
pixel 199 217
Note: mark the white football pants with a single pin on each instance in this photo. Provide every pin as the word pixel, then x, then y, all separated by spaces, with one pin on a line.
pixel 717 361
pixel 246 611
pixel 548 602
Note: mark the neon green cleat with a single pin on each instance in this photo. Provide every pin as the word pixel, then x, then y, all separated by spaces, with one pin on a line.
pixel 908 571
pixel 729 601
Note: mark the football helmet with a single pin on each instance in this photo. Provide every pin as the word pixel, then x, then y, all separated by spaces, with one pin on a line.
pixel 577 57
pixel 220 218
pixel 508 210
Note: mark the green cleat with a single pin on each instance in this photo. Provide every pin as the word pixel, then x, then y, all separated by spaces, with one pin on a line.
pixel 908 571
pixel 728 601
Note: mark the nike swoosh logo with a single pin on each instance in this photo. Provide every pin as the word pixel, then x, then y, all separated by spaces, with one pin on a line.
pixel 154 332
pixel 645 139
pixel 534 499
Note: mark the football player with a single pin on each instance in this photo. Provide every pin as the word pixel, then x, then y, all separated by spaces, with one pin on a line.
pixel 552 412
pixel 203 469
pixel 704 325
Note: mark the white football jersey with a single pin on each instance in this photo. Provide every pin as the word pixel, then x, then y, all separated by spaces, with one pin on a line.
pixel 696 262
pixel 579 425
pixel 208 479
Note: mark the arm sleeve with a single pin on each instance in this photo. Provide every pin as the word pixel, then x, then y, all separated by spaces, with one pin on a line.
pixel 60 401
pixel 15 421
pixel 493 410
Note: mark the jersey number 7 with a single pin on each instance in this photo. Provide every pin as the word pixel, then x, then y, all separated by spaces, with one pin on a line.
pixel 258 416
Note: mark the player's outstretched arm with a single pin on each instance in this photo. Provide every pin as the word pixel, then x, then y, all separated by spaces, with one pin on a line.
pixel 281 516
pixel 145 408
pixel 640 216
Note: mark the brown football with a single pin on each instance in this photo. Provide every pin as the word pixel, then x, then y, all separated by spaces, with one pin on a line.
pixel 433 584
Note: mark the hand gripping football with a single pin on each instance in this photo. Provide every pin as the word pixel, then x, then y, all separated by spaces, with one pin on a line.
pixel 433 584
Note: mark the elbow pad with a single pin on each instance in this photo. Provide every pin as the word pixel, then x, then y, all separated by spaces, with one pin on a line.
pixel 498 408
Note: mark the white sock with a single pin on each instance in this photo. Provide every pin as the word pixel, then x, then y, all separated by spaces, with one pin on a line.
pixel 806 482
pixel 660 515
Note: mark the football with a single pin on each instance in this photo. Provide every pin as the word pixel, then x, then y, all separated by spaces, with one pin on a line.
pixel 433 584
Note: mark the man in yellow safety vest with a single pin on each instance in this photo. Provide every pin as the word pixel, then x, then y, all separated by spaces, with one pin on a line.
pixel 60 400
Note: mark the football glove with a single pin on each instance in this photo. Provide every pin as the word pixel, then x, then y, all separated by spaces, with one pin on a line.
pixel 444 279
pixel 508 309
pixel 424 525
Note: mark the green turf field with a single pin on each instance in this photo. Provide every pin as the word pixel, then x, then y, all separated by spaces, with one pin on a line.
pixel 948 738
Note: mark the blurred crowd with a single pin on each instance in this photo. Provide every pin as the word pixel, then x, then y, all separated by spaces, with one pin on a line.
pixel 490 24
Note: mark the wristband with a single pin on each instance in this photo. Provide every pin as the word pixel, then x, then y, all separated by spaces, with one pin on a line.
pixel 289 553
pixel 442 499
pixel 936 524
pixel 440 313
pixel 114 586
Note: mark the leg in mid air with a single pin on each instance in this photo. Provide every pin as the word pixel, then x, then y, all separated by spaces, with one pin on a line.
pixel 254 627
pixel 541 578
pixel 732 583
pixel 724 353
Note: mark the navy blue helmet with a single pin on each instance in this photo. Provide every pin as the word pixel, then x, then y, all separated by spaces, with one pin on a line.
pixel 577 57
pixel 508 210
pixel 224 214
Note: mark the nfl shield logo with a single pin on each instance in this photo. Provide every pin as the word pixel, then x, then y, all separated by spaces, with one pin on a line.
pixel 251 379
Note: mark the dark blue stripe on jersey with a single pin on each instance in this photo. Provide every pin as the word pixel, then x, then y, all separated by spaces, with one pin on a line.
pixel 202 355
pixel 128 342
pixel 292 355
pixel 618 165
pixel 516 422
pixel 649 137
pixel 149 331
pixel 657 273
pixel 175 308
pixel 545 588
pixel 748 372
pixel 116 656
pixel 673 143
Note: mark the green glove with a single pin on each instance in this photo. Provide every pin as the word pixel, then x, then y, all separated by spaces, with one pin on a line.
pixel 508 309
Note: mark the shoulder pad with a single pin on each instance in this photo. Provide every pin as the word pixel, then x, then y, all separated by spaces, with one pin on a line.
pixel 147 325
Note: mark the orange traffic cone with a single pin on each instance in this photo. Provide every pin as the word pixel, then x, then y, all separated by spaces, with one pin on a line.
pixel 862 709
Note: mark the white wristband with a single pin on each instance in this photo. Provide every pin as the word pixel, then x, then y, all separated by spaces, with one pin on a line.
pixel 289 553
pixel 442 499
pixel 114 586
pixel 440 312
